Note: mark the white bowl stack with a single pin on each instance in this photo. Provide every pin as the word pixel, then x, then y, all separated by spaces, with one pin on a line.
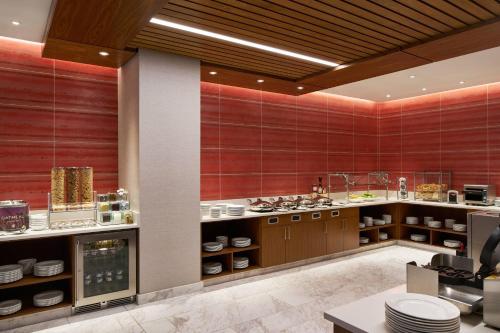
pixel 212 268
pixel 205 209
pixel 434 224
pixel 364 240
pixel 240 262
pixel 235 210
pixel 224 240
pixel 28 265
pixel 378 222
pixel 448 223
pixel 454 244
pixel 39 222
pixel 212 246
pixel 421 313
pixel 460 227
pixel 241 241
pixel 411 220
pixel 48 298
pixel 383 236
pixel 223 207
pixel 368 220
pixel 48 268
pixel 362 225
pixel 215 212
pixel 427 219
pixel 10 273
pixel 418 237
pixel 10 306
pixel 387 218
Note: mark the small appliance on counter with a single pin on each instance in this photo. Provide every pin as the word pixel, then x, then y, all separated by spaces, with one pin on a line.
pixel 452 277
pixel 482 195
pixel 403 188
pixel 452 197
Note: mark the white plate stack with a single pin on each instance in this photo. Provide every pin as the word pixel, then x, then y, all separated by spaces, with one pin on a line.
pixel 212 246
pixel 212 268
pixel 427 219
pixel 224 240
pixel 448 223
pixel 434 224
pixel 378 222
pixel 387 218
pixel 205 209
pixel 9 307
pixel 411 220
pixel 28 265
pixel 48 268
pixel 364 240
pixel 240 262
pixel 418 237
pixel 48 298
pixel 215 212
pixel 223 207
pixel 10 273
pixel 368 221
pixel 241 241
pixel 460 227
pixel 406 313
pixel 454 244
pixel 362 225
pixel 39 222
pixel 383 236
pixel 235 210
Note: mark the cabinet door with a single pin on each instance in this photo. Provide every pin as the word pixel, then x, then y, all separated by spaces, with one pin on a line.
pixel 351 233
pixel 273 246
pixel 316 242
pixel 297 242
pixel 334 236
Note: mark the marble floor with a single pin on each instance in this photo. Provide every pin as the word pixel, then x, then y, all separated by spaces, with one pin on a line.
pixel 288 301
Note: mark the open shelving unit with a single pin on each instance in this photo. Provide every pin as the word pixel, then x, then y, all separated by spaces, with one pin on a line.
pixel 373 232
pixel 233 228
pixel 25 288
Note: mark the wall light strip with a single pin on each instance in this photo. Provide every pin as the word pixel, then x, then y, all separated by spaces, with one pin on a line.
pixel 241 42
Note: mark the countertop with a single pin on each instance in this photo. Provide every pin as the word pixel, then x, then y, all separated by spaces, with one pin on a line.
pixel 249 214
pixel 372 319
pixel 30 234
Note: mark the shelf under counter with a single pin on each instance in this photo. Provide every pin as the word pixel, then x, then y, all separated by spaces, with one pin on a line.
pixel 228 250
pixel 442 230
pixel 29 280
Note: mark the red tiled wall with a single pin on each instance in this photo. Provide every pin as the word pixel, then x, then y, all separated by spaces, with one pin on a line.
pixel 457 131
pixel 53 113
pixel 257 143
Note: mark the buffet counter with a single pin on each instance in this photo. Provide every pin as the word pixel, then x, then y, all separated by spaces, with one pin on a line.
pixel 250 214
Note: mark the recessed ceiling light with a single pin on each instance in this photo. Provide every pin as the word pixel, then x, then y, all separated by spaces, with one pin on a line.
pixel 461 82
pixel 16 22
pixel 424 89
pixel 212 73
pixel 388 95
pixel 104 53
pixel 241 42
pixel 300 87
pixel 412 76
pixel 260 80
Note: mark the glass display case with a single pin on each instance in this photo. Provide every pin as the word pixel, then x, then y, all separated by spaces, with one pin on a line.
pixel 431 186
pixel 106 267
pixel 354 183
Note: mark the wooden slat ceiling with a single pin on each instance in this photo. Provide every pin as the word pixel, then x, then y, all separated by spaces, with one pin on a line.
pixel 367 37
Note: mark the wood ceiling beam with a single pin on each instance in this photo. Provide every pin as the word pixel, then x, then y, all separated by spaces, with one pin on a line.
pixel 79 28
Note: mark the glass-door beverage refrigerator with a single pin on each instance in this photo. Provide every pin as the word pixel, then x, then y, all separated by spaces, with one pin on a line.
pixel 105 270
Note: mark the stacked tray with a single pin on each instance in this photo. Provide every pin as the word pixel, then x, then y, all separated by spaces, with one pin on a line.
pixel 240 262
pixel 212 268
pixel 10 273
pixel 405 313
pixel 48 298
pixel 48 268
pixel 241 241
pixel 9 307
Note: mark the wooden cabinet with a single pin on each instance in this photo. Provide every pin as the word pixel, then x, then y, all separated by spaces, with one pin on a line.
pixel 342 230
pixel 317 240
pixel 273 246
pixel 297 243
